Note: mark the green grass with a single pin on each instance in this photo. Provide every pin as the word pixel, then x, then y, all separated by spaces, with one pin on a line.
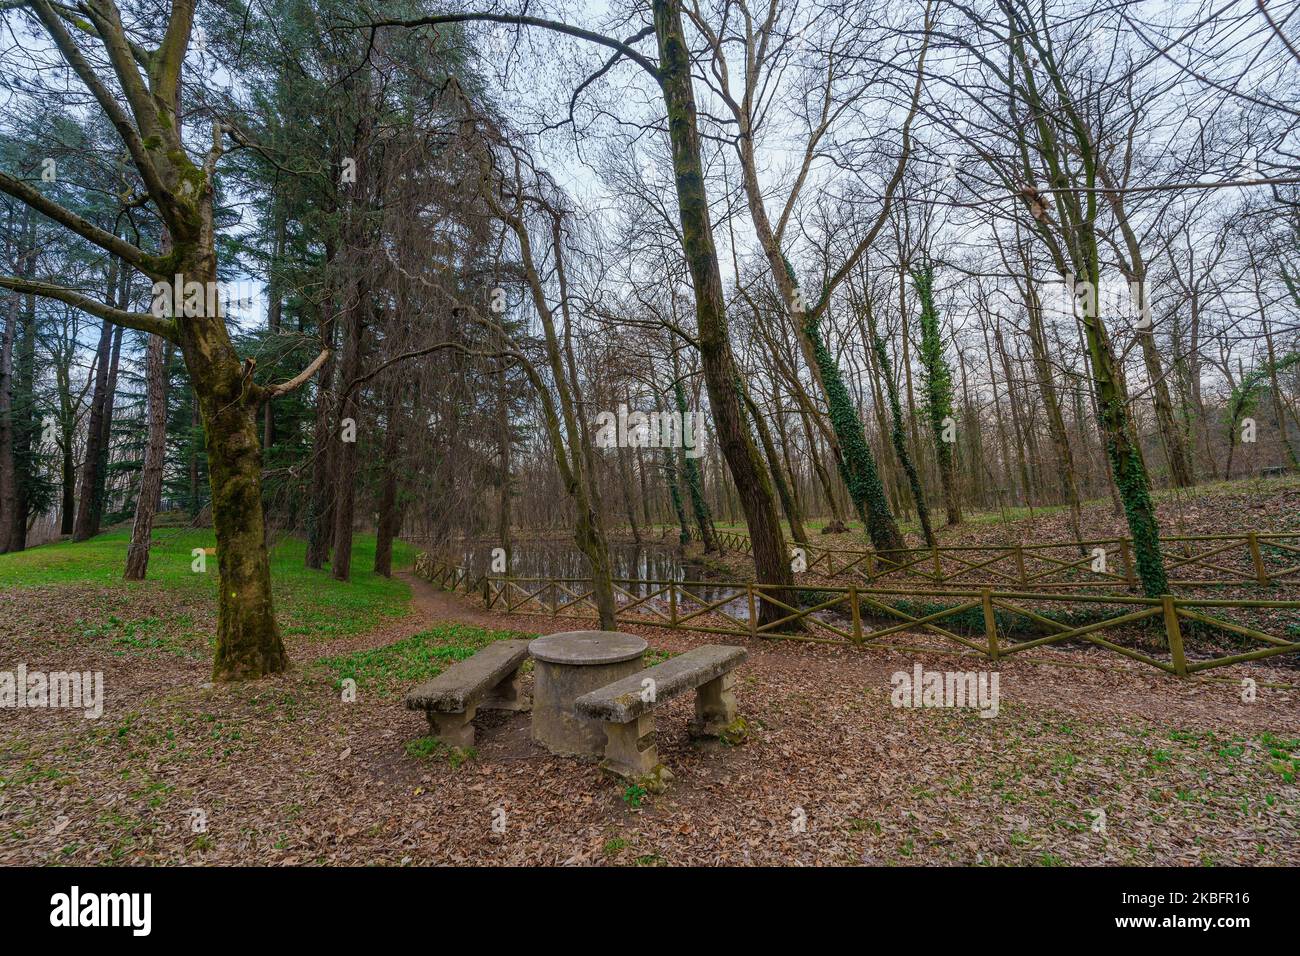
pixel 415 658
pixel 307 601
pixel 424 748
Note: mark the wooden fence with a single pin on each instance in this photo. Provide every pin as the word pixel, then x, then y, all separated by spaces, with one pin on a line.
pixel 975 621
pixel 1207 560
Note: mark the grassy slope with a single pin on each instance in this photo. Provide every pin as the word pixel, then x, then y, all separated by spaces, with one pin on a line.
pixel 416 658
pixel 307 601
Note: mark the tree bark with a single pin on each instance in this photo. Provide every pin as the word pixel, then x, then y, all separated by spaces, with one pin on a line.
pixel 151 477
pixel 83 528
pixel 390 514
pixel 320 512
pixel 106 438
pixel 345 494
pixel 788 502
pixel 8 465
pixel 899 438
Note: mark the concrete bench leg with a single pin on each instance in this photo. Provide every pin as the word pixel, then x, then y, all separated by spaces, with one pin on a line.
pixel 508 695
pixel 630 749
pixel 454 730
pixel 715 707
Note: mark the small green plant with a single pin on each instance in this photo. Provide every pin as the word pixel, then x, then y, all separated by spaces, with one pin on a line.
pixel 633 795
pixel 615 845
pixel 423 748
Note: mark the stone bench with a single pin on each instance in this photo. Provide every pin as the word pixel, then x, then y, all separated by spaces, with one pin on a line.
pixel 490 680
pixel 627 706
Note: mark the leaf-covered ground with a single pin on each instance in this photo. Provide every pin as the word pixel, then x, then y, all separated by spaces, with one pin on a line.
pixel 284 771
pixel 1235 507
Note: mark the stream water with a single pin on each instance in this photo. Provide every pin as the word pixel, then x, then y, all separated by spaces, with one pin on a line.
pixel 631 563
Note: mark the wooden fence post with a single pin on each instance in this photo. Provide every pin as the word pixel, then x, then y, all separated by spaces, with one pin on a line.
pixel 753 617
pixel 990 624
pixel 672 604
pixel 1175 634
pixel 1126 551
pixel 1261 575
pixel 857 614
pixel 938 566
pixel 1020 564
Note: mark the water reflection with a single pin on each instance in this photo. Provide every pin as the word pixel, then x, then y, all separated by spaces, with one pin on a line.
pixel 633 566
pixel 560 559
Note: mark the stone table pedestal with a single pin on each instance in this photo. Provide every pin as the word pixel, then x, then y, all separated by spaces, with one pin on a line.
pixel 566 666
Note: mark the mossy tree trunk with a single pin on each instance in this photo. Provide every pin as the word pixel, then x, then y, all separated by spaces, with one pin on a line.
pixel 141 99
pixel 248 639
pixel 771 559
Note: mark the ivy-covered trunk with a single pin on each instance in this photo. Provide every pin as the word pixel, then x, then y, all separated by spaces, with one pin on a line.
pixel 899 439
pixel 674 492
pixel 936 379
pixel 771 560
pixel 1131 478
pixel 857 464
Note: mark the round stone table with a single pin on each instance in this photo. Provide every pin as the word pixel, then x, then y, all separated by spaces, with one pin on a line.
pixel 566 666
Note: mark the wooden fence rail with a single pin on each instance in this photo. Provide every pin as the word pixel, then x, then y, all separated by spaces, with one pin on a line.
pixel 840 615
pixel 1208 560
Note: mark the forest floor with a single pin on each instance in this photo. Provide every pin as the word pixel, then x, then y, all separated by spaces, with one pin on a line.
pixel 284 771
pixel 1225 507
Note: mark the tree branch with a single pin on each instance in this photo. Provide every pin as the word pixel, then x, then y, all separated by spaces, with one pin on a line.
pixel 141 321
pixel 621 46
pixel 271 392
pixel 114 37
pixel 83 227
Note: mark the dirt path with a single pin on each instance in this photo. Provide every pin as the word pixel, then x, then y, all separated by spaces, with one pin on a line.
pixel 429 606
pixel 434 604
